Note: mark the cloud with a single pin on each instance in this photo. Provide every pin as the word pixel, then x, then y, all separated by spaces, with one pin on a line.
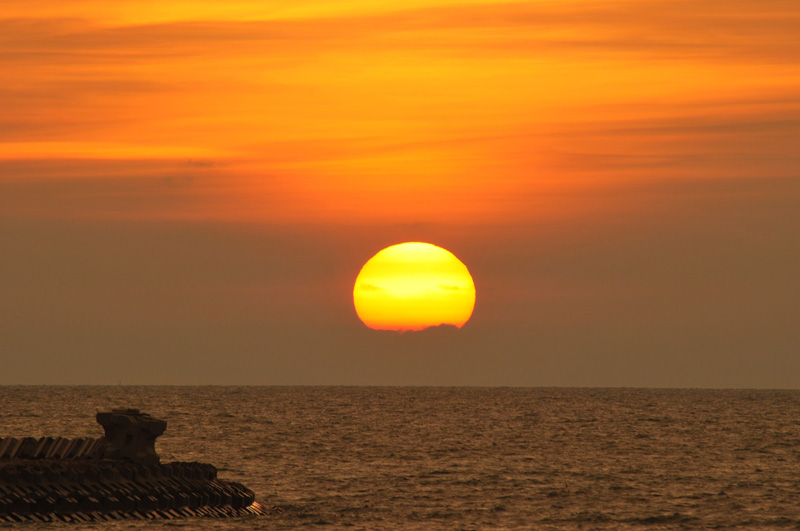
pixel 743 31
pixel 445 287
pixel 540 96
pixel 738 140
pixel 365 286
pixel 110 188
pixel 443 331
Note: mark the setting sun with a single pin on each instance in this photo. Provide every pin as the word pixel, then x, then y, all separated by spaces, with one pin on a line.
pixel 411 286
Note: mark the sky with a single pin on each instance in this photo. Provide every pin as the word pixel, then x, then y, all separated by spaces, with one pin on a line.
pixel 188 190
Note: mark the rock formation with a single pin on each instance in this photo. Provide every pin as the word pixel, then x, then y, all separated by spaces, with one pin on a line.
pixel 131 435
pixel 118 476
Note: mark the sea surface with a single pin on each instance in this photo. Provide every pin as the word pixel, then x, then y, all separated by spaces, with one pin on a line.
pixel 462 458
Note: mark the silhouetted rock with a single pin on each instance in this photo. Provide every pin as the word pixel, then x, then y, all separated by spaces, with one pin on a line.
pixel 117 476
pixel 131 435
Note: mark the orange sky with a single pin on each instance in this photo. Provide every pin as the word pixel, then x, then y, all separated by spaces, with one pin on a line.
pixel 181 179
pixel 357 111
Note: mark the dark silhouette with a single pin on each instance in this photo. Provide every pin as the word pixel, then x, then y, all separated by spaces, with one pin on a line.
pixel 118 476
pixel 131 435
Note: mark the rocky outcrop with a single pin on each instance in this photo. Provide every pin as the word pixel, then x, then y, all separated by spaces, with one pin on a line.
pixel 131 435
pixel 118 476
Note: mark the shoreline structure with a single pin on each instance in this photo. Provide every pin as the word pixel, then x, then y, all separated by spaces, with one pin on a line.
pixel 115 477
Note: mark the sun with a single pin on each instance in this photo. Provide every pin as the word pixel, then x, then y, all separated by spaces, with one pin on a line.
pixel 411 286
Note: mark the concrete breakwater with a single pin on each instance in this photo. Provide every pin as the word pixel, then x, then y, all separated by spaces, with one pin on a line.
pixel 117 476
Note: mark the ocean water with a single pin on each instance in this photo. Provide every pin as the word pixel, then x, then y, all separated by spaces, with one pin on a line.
pixel 462 458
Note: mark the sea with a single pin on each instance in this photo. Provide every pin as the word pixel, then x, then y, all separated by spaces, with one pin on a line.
pixel 408 458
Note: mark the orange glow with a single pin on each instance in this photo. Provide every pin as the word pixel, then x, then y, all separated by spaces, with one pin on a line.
pixel 434 111
pixel 411 286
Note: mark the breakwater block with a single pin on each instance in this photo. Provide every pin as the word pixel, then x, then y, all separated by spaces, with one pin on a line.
pixel 115 477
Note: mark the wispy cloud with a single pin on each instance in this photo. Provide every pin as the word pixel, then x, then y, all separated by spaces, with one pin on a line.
pixel 366 286
pixel 445 287
pixel 382 111
pixel 743 30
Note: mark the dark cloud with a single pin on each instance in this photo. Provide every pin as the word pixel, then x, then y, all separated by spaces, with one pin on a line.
pixel 366 286
pixel 445 287
pixel 112 188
